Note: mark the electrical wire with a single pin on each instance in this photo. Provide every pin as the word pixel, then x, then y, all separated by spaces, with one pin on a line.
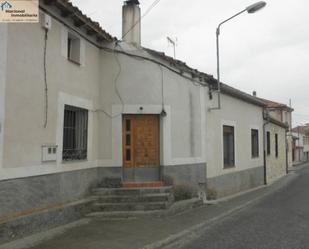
pixel 116 89
pixel 45 80
pixel 110 50
pixel 162 86
pixel 140 19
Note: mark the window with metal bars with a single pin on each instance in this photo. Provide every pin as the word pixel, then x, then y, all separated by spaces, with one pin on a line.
pixel 75 133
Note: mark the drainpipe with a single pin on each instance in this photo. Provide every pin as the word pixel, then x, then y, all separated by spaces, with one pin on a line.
pixel 265 116
pixel 286 152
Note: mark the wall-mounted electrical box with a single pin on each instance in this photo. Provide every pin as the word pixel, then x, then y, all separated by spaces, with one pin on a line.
pixel 46 21
pixel 49 153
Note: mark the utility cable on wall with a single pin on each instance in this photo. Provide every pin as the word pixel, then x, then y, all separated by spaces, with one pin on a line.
pixel 45 81
pixel 116 88
pixel 162 91
pixel 195 82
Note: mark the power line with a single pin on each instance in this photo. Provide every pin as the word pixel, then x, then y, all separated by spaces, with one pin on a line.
pixel 140 19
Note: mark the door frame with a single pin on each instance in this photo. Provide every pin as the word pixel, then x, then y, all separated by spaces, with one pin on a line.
pixel 124 146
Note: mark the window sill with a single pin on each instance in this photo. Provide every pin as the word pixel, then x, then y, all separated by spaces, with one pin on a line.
pixel 74 62
pixel 229 166
pixel 255 157
pixel 74 161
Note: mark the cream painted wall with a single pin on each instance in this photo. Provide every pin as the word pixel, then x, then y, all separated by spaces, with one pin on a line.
pixel 25 134
pixel 140 85
pixel 244 117
pixel 276 167
pixel 285 116
pixel 107 85
pixel 3 66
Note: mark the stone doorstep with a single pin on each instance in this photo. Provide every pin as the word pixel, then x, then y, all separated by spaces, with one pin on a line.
pixel 175 208
pixel 142 184
pixel 131 191
pixel 22 224
pixel 138 206
pixel 156 197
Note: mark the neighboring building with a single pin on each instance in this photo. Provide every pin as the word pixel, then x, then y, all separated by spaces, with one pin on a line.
pixel 77 106
pixel 275 149
pixel 300 144
pixel 234 143
pixel 283 114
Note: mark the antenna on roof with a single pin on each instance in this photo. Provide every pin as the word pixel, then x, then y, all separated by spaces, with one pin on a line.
pixel 174 44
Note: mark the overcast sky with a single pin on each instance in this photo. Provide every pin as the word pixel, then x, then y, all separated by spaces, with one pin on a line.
pixel 267 51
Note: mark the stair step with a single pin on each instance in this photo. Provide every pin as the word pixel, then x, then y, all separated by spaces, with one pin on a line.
pixel 124 214
pixel 131 191
pixel 144 206
pixel 142 184
pixel 156 197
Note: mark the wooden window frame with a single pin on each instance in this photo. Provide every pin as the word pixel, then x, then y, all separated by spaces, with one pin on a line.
pixel 276 146
pixel 255 152
pixel 231 132
pixel 75 134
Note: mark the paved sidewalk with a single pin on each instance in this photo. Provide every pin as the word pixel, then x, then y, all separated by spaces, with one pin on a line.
pixel 142 232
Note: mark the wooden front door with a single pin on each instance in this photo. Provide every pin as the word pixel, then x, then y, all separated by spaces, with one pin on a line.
pixel 141 149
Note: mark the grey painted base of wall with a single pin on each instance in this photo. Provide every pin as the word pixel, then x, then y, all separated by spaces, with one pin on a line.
pixel 22 200
pixel 233 183
pixel 43 220
pixel 38 203
pixel 147 174
pixel 193 174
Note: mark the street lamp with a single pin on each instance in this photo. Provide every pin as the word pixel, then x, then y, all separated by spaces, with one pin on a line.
pixel 250 9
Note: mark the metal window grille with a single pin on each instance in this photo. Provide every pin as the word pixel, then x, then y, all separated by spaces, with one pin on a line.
pixel 75 133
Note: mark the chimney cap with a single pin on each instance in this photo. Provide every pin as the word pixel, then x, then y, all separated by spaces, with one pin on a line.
pixel 136 2
pixel 254 93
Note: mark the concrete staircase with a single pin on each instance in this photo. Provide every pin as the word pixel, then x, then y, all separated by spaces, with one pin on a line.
pixel 130 202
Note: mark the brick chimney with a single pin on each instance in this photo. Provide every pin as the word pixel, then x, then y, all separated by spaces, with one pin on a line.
pixel 131 25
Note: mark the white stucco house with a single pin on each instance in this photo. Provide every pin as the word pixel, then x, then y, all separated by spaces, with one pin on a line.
pixel 78 105
pixel 300 144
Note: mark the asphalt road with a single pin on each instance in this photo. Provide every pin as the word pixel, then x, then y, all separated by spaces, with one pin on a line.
pixel 278 221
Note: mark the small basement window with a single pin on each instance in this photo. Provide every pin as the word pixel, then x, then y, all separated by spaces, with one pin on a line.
pixel 74 48
pixel 75 133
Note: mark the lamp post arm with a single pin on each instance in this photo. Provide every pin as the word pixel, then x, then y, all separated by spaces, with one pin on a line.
pixel 218 59
pixel 237 14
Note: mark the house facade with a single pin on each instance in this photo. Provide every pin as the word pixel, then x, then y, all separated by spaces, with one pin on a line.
pixel 78 106
pixel 77 112
pixel 283 114
pixel 300 144
pixel 234 143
